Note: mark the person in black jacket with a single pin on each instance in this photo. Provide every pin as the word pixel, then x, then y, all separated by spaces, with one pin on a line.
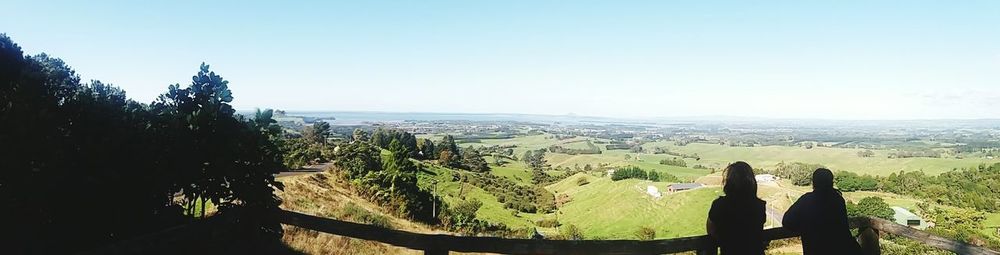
pixel 736 220
pixel 820 217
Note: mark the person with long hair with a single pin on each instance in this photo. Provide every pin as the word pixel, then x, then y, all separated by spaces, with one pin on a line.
pixel 736 220
pixel 820 217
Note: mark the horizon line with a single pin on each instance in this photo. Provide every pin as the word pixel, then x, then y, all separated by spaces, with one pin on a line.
pixel 573 115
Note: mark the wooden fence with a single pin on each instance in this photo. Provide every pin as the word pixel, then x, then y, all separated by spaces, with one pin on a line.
pixel 442 244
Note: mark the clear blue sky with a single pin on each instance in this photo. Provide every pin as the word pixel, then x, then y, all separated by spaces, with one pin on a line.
pixel 785 59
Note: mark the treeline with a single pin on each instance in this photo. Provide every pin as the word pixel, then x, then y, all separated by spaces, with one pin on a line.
pixel 591 149
pixel 632 172
pixel 866 153
pixel 634 147
pixel 449 155
pixel 915 154
pixel 662 150
pixel 535 159
pixel 797 172
pixel 978 146
pixel 503 151
pixel 973 188
pixel 310 147
pixel 382 137
pixel 390 181
pixel 849 181
pixel 512 196
pixel 674 162
pixel 84 166
pixel 475 138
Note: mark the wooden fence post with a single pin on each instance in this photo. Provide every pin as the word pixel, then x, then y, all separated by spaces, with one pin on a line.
pixel 706 246
pixel 707 251
pixel 869 241
pixel 435 252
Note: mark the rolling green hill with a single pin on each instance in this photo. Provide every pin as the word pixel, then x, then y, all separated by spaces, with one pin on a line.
pixel 616 209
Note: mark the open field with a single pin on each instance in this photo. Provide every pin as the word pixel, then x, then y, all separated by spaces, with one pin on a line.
pixel 616 209
pixel 320 194
pixel 515 171
pixel 577 143
pixel 992 222
pixel 524 143
pixel 613 158
pixel 714 155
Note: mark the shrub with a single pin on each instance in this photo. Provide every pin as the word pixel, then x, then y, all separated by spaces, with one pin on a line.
pixel 632 172
pixel 547 223
pixel 645 233
pixel 674 162
pixel 871 207
pixel 571 232
pixel 582 181
pixel 355 213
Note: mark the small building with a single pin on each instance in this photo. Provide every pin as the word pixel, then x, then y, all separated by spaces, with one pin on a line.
pixel 765 178
pixel 907 218
pixel 653 191
pixel 683 186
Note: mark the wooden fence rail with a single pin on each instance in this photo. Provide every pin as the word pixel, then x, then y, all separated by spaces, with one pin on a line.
pixel 442 244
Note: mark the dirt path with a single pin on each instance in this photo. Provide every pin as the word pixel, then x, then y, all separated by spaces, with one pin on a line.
pixel 305 170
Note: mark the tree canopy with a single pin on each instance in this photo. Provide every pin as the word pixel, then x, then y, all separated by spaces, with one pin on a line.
pixel 84 166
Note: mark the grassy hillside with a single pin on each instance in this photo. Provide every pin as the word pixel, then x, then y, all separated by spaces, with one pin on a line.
pixel 321 195
pixel 453 191
pixel 992 222
pixel 515 171
pixel 616 209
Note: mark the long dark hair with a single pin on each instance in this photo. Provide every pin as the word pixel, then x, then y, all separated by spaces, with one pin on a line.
pixel 740 182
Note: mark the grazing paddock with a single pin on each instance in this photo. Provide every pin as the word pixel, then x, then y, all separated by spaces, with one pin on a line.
pixel 839 159
pixel 616 209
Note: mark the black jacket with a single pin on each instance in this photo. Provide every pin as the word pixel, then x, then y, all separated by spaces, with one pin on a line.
pixel 821 218
pixel 739 225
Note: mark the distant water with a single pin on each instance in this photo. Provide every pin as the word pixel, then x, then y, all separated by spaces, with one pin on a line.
pixel 352 118
pixel 348 118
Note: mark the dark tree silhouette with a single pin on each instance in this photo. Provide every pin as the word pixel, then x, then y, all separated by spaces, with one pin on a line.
pixel 82 166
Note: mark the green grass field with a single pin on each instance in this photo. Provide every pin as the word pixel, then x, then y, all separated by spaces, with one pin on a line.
pixel 991 223
pixel 714 155
pixel 491 211
pixel 518 171
pixel 616 209
pixel 523 143
pixel 515 171
pixel 577 143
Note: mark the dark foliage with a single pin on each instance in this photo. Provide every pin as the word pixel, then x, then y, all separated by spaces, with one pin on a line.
pixel 674 162
pixel 390 182
pixel 849 181
pixel 83 166
pixel 797 172
pixel 517 197
pixel 631 172
pixel 591 149
pixel 974 188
